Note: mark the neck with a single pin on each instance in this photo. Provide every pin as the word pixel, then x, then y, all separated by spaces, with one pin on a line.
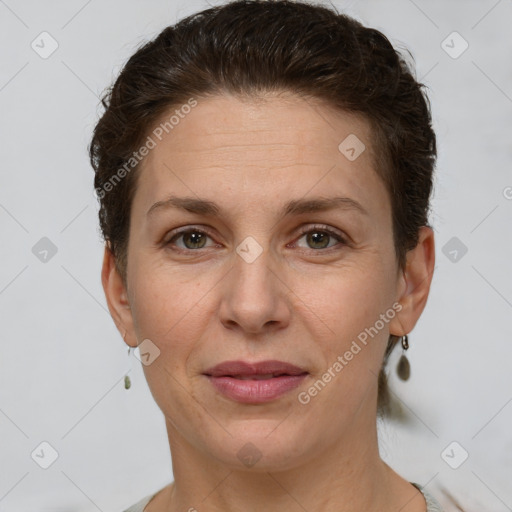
pixel 344 477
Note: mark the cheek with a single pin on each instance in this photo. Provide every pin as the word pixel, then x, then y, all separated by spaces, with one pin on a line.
pixel 168 311
pixel 165 310
pixel 347 299
pixel 349 302
pixel 164 297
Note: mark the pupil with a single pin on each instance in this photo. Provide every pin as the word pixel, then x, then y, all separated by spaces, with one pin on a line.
pixel 316 238
pixel 196 238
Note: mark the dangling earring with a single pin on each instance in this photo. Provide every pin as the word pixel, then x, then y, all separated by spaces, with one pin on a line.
pixel 403 368
pixel 127 381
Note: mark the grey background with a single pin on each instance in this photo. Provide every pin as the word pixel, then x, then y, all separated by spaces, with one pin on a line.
pixel 62 361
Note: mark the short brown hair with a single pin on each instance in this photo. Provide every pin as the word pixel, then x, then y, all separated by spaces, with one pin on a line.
pixel 247 47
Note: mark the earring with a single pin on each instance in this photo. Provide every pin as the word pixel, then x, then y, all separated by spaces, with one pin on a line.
pixel 403 368
pixel 127 381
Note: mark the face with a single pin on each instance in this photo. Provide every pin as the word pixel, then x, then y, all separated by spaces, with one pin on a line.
pixel 254 258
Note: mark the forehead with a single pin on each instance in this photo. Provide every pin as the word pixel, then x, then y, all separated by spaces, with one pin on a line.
pixel 284 143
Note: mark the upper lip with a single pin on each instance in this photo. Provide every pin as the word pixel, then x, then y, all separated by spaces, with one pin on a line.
pixel 243 368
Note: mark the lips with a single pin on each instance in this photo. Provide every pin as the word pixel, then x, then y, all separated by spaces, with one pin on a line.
pixel 257 371
pixel 255 383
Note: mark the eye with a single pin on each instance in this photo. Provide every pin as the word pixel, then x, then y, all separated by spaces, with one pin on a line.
pixel 318 237
pixel 192 239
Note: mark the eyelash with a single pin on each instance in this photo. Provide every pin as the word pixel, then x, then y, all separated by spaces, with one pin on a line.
pixel 310 229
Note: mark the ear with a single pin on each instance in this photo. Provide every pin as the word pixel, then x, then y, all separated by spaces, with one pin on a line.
pixel 414 283
pixel 117 298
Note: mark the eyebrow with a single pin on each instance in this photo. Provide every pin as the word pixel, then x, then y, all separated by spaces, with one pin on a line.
pixel 294 207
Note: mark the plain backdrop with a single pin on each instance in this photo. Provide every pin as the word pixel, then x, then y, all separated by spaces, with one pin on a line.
pixel 62 361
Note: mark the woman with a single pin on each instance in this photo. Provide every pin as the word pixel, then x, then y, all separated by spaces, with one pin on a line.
pixel 264 172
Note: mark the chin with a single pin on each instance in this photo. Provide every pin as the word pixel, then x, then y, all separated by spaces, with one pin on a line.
pixel 258 446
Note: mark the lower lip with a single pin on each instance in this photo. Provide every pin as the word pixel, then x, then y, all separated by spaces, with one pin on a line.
pixel 256 391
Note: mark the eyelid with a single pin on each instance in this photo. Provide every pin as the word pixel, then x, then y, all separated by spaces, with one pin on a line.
pixel 187 228
pixel 342 238
pixel 175 233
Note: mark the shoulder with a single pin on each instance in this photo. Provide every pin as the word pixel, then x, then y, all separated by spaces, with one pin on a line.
pixel 140 505
pixel 432 504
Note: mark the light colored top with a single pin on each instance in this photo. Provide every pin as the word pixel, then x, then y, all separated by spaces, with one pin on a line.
pixel 432 504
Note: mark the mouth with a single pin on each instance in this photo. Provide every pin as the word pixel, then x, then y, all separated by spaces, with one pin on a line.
pixel 257 376
pixel 255 383
pixel 258 370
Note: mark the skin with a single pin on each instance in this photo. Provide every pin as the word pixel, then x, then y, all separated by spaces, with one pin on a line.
pixel 301 300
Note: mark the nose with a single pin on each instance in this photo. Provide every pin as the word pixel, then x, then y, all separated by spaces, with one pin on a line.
pixel 254 296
